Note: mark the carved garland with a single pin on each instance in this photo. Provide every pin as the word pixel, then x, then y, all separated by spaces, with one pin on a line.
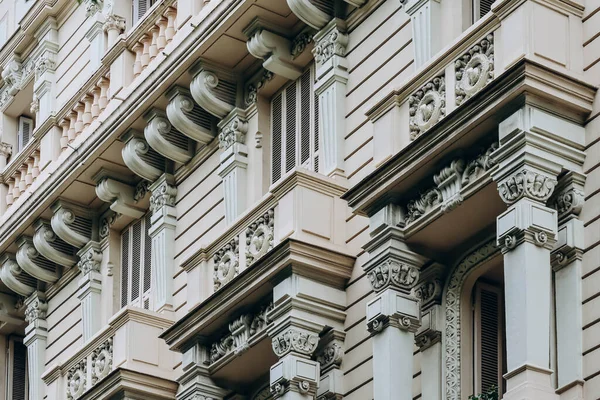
pixel 226 263
pixel 259 237
pixel 427 106
pixel 474 69
pixel 102 359
pixel 452 332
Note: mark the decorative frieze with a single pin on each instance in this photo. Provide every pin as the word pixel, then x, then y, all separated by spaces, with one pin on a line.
pixel 76 380
pixel 226 263
pixel 259 237
pixel 295 340
pixel 102 361
pixel 474 69
pixel 333 43
pixel 526 183
pixel 427 106
pixel 423 205
pixel 393 273
pixel 449 182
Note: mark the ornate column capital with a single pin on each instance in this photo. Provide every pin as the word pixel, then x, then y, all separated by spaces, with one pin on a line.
pixel 114 23
pixel 90 258
pixel 295 340
pixel 526 183
pixel 569 195
pixel 331 41
pixel 430 286
pixel 5 150
pixel 36 308
pixel 233 130
pixel 164 193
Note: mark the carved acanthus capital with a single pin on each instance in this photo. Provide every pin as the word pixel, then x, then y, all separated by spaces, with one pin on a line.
pixel 44 63
pixel 114 22
pixel 393 273
pixel 474 69
pixel 569 195
pixel 15 278
pixel 90 258
pixel 332 42
pixel 429 292
pixel 36 308
pixel 295 340
pixel 234 131
pixel 331 355
pixel 427 106
pixel 526 183
pixel 140 158
pixel 164 193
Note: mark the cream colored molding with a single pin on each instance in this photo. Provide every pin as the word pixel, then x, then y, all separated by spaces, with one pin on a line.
pixel 15 278
pixel 273 49
pixel 72 223
pixel 214 89
pixel 190 119
pixel 51 246
pixel 312 14
pixel 32 262
pixel 426 17
pixel 120 196
pixel 140 158
pixel 165 139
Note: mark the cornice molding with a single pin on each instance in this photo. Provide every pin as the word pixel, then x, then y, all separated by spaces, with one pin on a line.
pixel 72 223
pixel 165 139
pixel 214 89
pixel 51 246
pixel 15 278
pixel 312 15
pixel 140 158
pixel 190 119
pixel 32 262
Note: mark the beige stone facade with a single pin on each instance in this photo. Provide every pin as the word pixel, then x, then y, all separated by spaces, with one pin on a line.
pixel 299 199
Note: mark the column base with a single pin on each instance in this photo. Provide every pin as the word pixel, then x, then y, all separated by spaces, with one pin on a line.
pixel 529 382
pixel 571 391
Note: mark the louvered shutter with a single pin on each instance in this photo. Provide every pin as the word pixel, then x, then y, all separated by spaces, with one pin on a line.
pixel 147 262
pixel 305 118
pixel 488 336
pixel 316 138
pixel 140 7
pixel 276 135
pixel 485 6
pixel 125 270
pixel 25 129
pixel 290 128
pixel 136 262
pixel 19 370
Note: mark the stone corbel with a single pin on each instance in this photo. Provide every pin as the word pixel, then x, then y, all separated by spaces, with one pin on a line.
pixel 51 246
pixel 314 13
pixel 273 48
pixel 15 278
pixel 72 223
pixel 165 139
pixel 121 196
pixel 569 195
pixel 214 89
pixel 140 158
pixel 190 119
pixel 11 74
pixel 32 262
pixel 329 355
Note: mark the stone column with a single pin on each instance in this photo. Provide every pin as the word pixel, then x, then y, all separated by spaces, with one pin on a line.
pixel 195 382
pixel 162 232
pixel 234 163
pixel 393 316
pixel 567 264
pixel 90 289
pixel 332 75
pixel 36 336
pixel 429 334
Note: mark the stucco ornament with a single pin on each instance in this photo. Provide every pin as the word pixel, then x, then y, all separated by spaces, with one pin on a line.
pixel 474 69
pixel 35 310
pixel 259 237
pixel 425 203
pixel 164 195
pixel 255 87
pixel 92 7
pixel 526 183
pixel 106 222
pixel 234 132
pixel 449 181
pixel 76 380
pixel 300 43
pixel 141 189
pixel 43 64
pixel 114 22
pixel 90 260
pixel 102 359
pixel 331 354
pixel 569 201
pixel 427 106
pixel 452 333
pixel 331 44
pixel 294 340
pixel 392 272
pixel 226 263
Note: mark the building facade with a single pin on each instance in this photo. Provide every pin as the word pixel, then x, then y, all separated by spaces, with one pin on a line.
pixel 299 199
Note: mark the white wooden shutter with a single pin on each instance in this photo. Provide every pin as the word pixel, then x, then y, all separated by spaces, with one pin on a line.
pixel 290 127
pixel 147 267
pixel 140 7
pixel 125 270
pixel 136 264
pixel 489 333
pixel 481 8
pixel 16 369
pixel 305 118
pixel 24 134
pixel 276 135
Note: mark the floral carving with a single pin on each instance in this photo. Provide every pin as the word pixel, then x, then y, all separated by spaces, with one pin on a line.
pixel 76 380
pixel 114 22
pixel 90 260
pixel 392 272
pixel 234 132
pixel 43 64
pixel 106 222
pixel 452 340
pixel 428 292
pixel 35 310
pixel 102 359
pixel 254 88
pixel 226 263
pixel 140 191
pixel 163 195
pixel 569 201
pixel 330 355
pixel 478 166
pixel 427 106
pixel 474 69
pixel 295 340
pixel 526 183
pixel 5 149
pixel 92 7
pixel 300 43
pixel 419 207
pixel 449 181
pixel 333 43
pixel 259 237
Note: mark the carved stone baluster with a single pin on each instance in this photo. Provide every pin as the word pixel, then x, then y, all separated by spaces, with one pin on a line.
pixel 36 165
pixel 9 196
pixel 96 102
pixel 87 110
pixel 137 65
pixel 72 133
pixel 29 173
pixel 23 178
pixel 145 39
pixel 161 41
pixel 79 108
pixel 16 190
pixel 104 85
pixel 154 43
pixel 64 138
pixel 171 14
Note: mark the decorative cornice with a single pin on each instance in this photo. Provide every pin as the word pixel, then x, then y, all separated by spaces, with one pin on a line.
pixel 72 223
pixel 165 139
pixel 120 196
pixel 33 263
pixel 91 258
pixel 474 69
pixel 15 278
pixel 213 91
pixel 526 183
pixel 164 193
pixel 52 247
pixel 310 13
pixel 190 119
pixel 427 106
pixel 295 340
pixel 140 158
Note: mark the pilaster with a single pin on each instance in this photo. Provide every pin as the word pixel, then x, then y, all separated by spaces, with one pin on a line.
pixel 95 35
pixel 425 16
pixel 36 336
pixel 332 76
pixel 45 66
pixel 162 232
pixel 394 315
pixel 90 289
pixel 234 163
pixel 195 382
